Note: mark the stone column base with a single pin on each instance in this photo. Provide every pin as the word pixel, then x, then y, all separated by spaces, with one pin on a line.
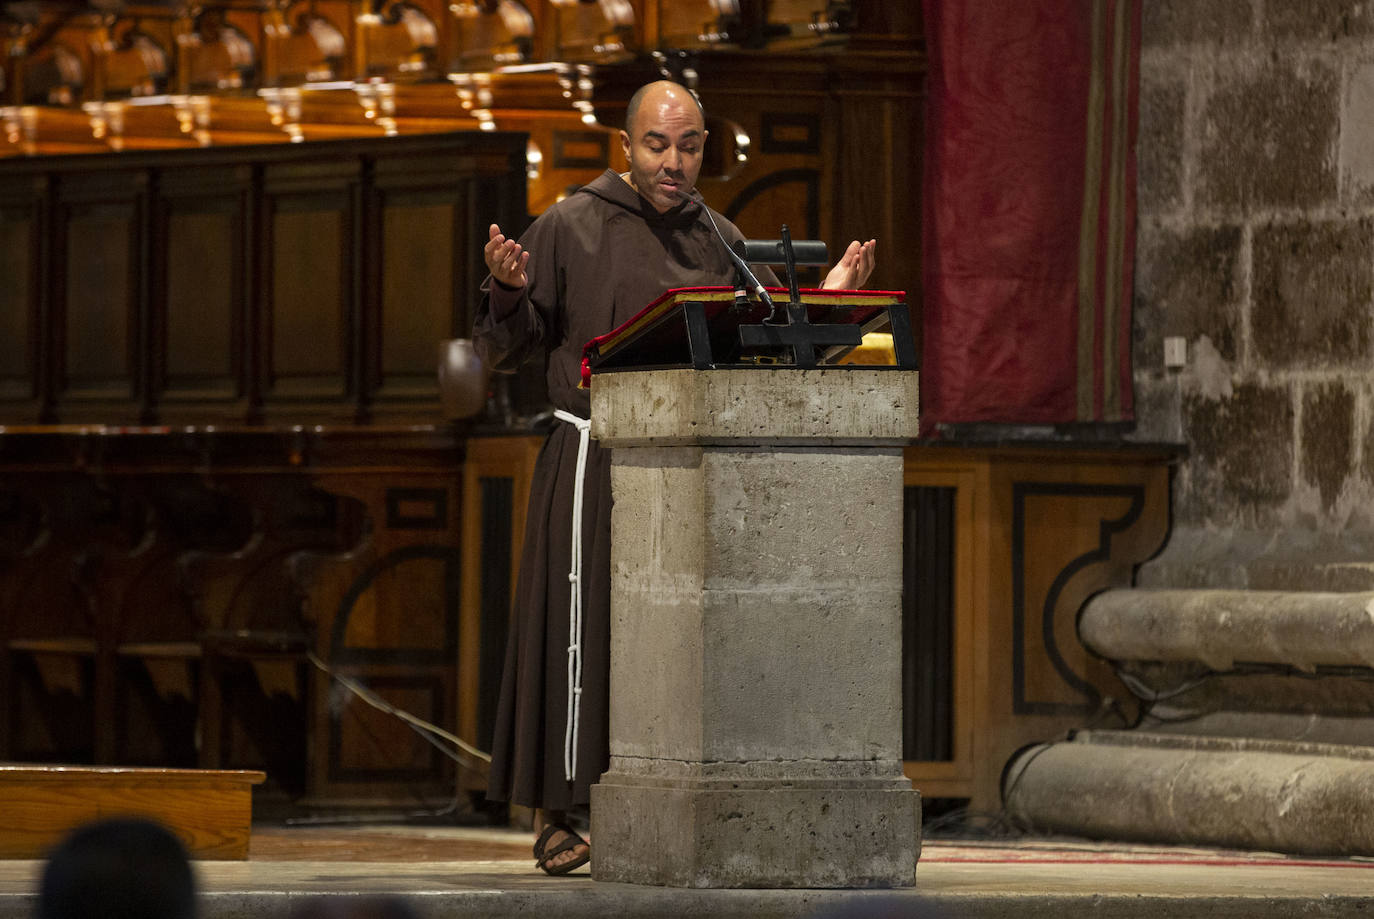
pixel 856 831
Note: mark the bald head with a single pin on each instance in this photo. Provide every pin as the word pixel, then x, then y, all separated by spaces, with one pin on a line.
pixel 657 92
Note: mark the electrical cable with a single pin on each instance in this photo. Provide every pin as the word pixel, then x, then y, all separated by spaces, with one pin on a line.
pixel 424 728
pixel 1148 694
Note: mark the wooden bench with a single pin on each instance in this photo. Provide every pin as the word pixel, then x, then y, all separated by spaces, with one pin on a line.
pixel 209 810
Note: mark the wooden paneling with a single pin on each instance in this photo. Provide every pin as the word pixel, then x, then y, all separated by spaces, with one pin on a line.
pixel 928 546
pixel 309 316
pixel 201 316
pixel 486 36
pixel 310 307
pixel 102 267
pixel 386 614
pixel 834 150
pixel 425 225
pixel 99 306
pixel 1036 531
pixel 368 745
pixel 581 31
pixel 417 294
pixel 202 326
pixel 22 265
pixel 291 283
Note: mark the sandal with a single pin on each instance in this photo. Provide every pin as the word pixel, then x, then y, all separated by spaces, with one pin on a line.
pixel 542 855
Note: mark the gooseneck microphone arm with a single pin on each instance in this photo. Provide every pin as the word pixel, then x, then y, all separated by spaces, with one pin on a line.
pixel 741 265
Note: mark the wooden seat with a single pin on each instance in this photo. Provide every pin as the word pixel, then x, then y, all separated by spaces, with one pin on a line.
pixel 76 647
pixel 54 655
pixel 210 811
pixel 254 639
pixel 490 35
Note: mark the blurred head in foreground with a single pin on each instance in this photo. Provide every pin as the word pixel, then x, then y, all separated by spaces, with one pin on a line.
pixel 125 868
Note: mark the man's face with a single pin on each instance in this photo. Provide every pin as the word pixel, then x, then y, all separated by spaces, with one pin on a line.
pixel 664 149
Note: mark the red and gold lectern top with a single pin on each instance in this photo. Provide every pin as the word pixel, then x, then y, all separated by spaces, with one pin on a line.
pixel 711 327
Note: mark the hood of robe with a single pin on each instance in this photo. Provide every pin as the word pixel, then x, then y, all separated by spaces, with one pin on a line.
pixel 610 187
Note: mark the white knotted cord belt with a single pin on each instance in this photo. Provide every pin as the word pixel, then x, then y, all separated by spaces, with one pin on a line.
pixel 584 427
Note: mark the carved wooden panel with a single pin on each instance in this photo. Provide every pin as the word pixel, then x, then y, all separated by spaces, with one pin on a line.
pixel 790 176
pixel 102 276
pixel 100 311
pixel 253 687
pixel 418 290
pixel 1054 574
pixel 691 23
pixel 428 216
pixel 174 593
pixel 1036 532
pixel 202 231
pixel 49 657
pixel 386 614
pixel 311 303
pixel 309 282
pixel 944 595
pixel 491 34
pixel 879 135
pixel 16 306
pixel 200 257
pixel 22 266
pixel 580 30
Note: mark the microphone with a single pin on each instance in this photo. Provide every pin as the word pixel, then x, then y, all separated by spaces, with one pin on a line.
pixel 741 266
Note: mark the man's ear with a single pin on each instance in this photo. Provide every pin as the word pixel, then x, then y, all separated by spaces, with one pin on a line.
pixel 625 146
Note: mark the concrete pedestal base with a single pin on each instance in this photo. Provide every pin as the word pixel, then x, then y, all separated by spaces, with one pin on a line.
pixel 723 833
pixel 756 630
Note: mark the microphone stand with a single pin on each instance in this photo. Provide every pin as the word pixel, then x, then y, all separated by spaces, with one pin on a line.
pixel 742 272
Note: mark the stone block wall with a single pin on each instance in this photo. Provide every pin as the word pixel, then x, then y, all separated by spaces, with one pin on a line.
pixel 1256 245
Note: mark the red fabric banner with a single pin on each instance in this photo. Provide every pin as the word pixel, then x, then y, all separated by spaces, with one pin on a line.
pixel 1029 210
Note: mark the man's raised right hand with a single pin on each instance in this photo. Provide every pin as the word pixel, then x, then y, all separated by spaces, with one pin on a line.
pixel 505 258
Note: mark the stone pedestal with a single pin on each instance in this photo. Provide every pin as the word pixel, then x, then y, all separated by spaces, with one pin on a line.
pixel 756 629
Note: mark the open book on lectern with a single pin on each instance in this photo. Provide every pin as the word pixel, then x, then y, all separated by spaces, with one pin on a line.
pixel 707 328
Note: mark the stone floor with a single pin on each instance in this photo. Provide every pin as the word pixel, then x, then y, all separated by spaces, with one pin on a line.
pixel 466 872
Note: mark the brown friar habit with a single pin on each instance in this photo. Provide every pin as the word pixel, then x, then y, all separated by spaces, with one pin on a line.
pixel 596 258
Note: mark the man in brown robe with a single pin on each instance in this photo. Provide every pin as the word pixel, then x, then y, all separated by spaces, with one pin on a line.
pixel 585 266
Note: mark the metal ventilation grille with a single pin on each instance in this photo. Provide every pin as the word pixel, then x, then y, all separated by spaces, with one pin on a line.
pixel 928 624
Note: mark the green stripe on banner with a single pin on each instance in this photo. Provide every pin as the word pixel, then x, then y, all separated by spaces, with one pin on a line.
pixel 1088 225
pixel 1114 257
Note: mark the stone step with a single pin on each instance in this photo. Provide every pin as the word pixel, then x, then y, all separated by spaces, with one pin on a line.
pixel 210 810
pixel 1218 628
pixel 1256 728
pixel 1131 785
